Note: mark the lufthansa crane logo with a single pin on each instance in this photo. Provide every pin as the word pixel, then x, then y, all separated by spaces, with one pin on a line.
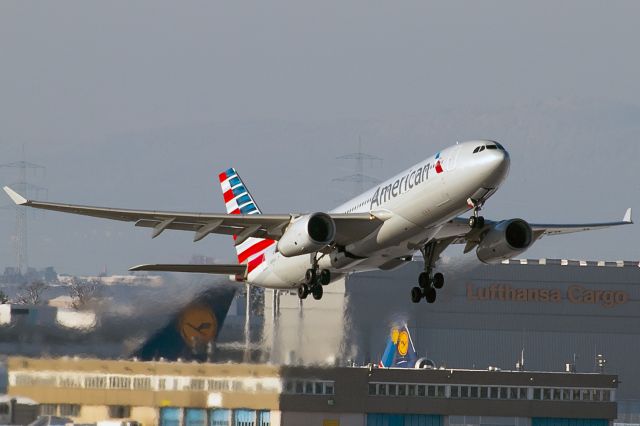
pixel 403 343
pixel 198 325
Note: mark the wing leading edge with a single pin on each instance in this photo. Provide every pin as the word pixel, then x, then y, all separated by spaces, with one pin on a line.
pixel 349 227
pixel 458 229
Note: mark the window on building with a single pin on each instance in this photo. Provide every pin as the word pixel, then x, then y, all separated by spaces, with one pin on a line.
pixel 392 390
pixel 431 391
pixel 422 390
pixel 566 395
pixel 455 392
pixel 402 390
pixel 547 394
pixel 575 395
pixel 537 393
pixel 495 392
pixel 440 391
pixel 504 393
pixel 411 390
pixel 143 383
pixel 606 395
pixel 586 394
pixel 119 411
pixel 48 409
pixel 308 388
pixel 373 389
pixel 464 392
pixel 523 393
pixel 4 409
pixel 328 389
pixel 196 384
pixel 474 391
pixel 299 387
pixel 382 389
pixel 119 382
pixel 319 388
pixel 513 393
pixel 95 382
pixel 557 394
pixel 70 410
pixel 161 384
pixel 484 392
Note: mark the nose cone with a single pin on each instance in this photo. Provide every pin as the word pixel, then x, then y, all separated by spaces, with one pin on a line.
pixel 497 167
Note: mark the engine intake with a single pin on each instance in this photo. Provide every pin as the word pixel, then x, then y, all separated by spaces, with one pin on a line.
pixel 505 240
pixel 307 234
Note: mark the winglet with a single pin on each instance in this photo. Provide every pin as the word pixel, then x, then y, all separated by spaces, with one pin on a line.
pixel 17 198
pixel 627 216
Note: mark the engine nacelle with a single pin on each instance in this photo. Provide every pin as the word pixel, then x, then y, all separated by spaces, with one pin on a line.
pixel 307 234
pixel 505 240
pixel 425 363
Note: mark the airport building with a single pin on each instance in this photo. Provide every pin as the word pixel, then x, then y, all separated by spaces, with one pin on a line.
pixel 89 391
pixel 546 315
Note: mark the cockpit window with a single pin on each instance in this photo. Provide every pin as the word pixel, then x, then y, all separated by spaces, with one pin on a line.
pixel 492 147
pixel 476 150
pixel 481 148
pixel 500 147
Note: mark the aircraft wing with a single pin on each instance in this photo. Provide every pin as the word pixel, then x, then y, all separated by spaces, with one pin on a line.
pixel 349 227
pixel 458 229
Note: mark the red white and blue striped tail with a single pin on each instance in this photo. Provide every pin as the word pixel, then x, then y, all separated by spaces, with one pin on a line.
pixel 238 200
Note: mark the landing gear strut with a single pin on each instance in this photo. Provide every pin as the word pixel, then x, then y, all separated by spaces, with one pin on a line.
pixel 428 282
pixel 314 280
pixel 475 221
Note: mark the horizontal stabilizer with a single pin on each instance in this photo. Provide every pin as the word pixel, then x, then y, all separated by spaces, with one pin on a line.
pixel 233 269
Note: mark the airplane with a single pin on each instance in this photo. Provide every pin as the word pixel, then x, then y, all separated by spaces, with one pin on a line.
pixel 416 210
pixel 400 351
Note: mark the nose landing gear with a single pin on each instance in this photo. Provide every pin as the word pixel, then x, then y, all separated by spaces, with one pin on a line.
pixel 475 221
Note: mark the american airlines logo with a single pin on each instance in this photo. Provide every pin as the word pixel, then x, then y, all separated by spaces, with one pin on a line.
pixel 403 184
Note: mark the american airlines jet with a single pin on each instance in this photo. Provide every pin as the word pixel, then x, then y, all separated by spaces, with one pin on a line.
pixel 416 210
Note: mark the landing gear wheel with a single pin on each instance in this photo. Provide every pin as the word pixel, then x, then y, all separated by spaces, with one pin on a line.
pixel 317 291
pixel 325 277
pixel 430 294
pixel 472 222
pixel 416 294
pixel 423 280
pixel 310 276
pixel 303 291
pixel 438 280
pixel 476 222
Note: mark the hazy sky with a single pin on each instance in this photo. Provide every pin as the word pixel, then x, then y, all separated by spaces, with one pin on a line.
pixel 140 104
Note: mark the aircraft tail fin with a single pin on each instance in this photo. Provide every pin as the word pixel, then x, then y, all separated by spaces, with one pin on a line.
pixel 238 200
pixel 191 330
pixel 399 352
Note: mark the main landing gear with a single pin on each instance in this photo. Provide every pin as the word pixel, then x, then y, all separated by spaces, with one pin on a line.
pixel 475 221
pixel 315 279
pixel 428 282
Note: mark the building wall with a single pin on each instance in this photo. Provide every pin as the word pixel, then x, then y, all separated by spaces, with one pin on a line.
pixel 461 330
pixel 322 419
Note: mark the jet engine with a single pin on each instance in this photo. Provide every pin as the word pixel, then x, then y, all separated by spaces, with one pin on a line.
pixel 307 234
pixel 505 240
pixel 425 363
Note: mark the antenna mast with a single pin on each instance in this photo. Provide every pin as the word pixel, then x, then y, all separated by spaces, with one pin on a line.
pixel 24 188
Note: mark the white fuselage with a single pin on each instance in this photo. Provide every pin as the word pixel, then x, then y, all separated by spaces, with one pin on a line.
pixel 416 204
